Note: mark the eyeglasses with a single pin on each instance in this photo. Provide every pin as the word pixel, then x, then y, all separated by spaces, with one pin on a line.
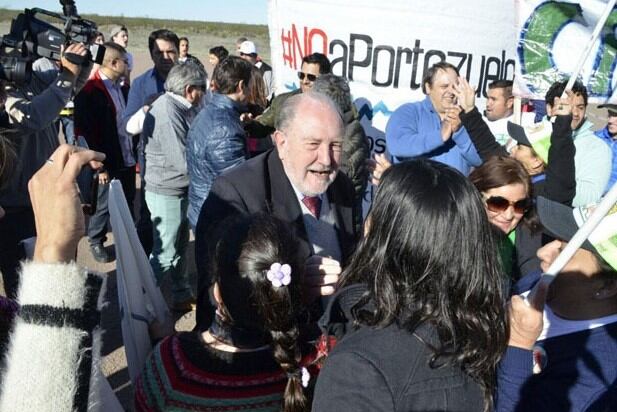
pixel 500 204
pixel 310 77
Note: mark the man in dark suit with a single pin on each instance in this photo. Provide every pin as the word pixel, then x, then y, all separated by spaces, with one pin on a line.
pixel 298 182
pixel 98 120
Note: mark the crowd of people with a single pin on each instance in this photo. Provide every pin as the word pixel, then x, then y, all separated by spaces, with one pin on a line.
pixel 433 301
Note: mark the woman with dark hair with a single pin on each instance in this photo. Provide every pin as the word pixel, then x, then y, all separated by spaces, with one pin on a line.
pixel 423 301
pixel 505 186
pixel 250 357
pixel 216 54
pixel 257 101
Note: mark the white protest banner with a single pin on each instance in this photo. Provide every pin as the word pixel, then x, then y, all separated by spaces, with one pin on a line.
pixel 552 35
pixel 385 48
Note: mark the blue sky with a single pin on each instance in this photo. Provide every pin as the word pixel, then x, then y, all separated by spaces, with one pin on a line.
pixel 232 11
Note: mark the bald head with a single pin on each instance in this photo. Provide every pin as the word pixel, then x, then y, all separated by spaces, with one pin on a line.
pixel 115 64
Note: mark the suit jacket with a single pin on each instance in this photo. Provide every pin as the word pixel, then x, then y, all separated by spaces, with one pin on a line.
pixel 95 120
pixel 260 185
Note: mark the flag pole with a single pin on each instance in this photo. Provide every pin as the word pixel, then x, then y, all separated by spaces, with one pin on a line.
pixel 594 36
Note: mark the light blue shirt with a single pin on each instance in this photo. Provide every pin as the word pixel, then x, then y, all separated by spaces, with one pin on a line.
pixel 142 88
pixel 612 142
pixel 414 130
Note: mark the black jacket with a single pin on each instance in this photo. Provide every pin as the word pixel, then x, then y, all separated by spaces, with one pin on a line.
pixel 559 184
pixel 387 369
pixel 260 185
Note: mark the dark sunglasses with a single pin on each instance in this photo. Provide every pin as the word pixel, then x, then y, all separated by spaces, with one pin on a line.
pixel 500 204
pixel 310 77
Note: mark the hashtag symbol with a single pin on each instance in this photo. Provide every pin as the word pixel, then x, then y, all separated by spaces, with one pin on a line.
pixel 286 41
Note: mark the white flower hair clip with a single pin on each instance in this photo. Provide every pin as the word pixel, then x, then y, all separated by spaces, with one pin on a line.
pixel 279 275
pixel 306 377
pixel 302 374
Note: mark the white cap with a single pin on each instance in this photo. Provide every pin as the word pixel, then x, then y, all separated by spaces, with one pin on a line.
pixel 248 47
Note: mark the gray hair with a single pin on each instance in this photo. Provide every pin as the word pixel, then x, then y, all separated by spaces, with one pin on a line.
pixel 336 88
pixel 185 74
pixel 289 111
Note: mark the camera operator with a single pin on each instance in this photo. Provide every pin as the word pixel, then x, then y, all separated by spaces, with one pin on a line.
pixel 32 109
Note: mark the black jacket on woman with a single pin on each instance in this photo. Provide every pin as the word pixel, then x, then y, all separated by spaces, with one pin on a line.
pixel 386 369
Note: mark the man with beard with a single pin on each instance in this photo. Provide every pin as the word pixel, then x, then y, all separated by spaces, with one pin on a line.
pixel 298 182
pixel 432 128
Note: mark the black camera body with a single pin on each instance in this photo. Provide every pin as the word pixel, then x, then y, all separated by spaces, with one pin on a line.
pixel 32 37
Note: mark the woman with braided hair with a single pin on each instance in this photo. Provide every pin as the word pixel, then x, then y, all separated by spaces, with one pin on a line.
pixel 250 358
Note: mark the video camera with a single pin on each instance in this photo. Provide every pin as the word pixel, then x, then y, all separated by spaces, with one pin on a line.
pixel 32 37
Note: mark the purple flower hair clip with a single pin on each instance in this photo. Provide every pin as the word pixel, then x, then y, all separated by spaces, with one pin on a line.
pixel 279 275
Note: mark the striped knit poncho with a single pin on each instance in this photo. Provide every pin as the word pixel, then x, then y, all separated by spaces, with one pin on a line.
pixel 183 374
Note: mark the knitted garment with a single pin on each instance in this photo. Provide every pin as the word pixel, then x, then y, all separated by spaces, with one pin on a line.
pixel 53 356
pixel 183 374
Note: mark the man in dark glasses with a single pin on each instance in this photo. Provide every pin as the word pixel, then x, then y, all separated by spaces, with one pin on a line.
pixel 313 66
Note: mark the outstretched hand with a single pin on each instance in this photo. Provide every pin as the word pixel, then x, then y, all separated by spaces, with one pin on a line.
pixel 55 200
pixel 563 107
pixel 465 94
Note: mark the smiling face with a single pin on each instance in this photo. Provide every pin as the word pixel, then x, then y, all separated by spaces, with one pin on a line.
pixel 310 148
pixel 441 92
pixel 507 219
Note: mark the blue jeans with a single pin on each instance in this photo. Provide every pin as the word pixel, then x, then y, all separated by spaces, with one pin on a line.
pixel 68 129
pixel 170 232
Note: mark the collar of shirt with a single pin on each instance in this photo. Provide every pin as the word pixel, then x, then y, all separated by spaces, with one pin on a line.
pixel 108 82
pixel 301 196
pixel 181 99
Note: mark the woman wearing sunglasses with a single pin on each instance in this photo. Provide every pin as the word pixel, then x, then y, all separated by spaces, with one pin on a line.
pixel 505 186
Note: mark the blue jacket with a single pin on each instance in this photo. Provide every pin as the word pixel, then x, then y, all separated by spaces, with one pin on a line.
pixel 414 129
pixel 612 142
pixel 215 143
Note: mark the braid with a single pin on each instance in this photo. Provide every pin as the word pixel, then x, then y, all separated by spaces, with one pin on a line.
pixel 254 246
pixel 287 353
pixel 278 310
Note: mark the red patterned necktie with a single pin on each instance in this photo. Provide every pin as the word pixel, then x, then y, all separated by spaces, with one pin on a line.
pixel 313 204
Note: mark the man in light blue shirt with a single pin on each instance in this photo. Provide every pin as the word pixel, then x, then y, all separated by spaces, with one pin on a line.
pixel 609 136
pixel 145 89
pixel 592 160
pixel 432 128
